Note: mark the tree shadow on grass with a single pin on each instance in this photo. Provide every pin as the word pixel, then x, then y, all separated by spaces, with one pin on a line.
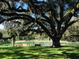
pixel 71 55
pixel 71 52
pixel 39 52
pixel 17 55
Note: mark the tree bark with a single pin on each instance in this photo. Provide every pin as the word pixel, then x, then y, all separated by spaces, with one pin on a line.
pixel 13 41
pixel 56 41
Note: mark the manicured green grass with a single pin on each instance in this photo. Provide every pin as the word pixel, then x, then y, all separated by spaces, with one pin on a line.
pixel 67 52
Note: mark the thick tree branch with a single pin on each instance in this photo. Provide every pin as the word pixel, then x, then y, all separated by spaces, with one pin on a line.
pixel 72 12
pixel 44 28
pixel 61 4
pixel 68 17
pixel 67 25
pixel 50 21
pixel 17 17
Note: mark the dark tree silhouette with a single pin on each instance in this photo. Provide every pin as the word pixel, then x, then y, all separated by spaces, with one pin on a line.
pixel 54 16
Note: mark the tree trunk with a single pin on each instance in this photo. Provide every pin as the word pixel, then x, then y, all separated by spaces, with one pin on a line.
pixel 13 41
pixel 56 41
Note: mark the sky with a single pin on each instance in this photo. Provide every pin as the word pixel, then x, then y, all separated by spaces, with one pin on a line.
pixel 1 26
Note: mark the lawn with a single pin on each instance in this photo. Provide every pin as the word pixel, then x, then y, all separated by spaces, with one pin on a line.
pixel 66 52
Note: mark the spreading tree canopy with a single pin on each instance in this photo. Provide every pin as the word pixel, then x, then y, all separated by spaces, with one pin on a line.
pixel 53 16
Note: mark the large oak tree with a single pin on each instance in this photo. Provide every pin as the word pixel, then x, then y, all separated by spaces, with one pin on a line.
pixel 54 16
